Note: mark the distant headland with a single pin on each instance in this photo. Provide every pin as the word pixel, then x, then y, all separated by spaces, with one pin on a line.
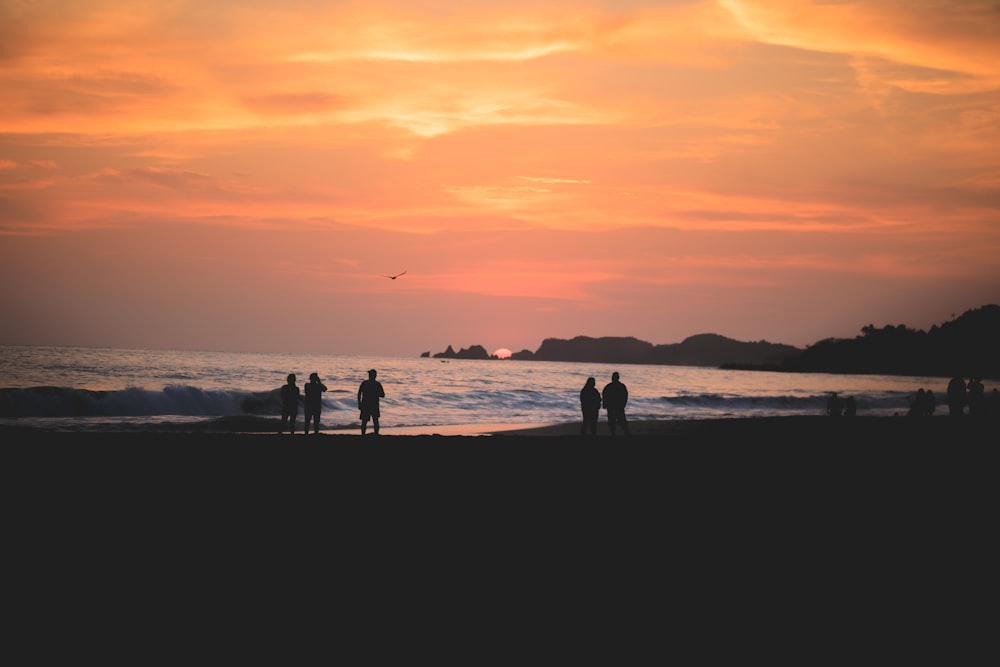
pixel 969 345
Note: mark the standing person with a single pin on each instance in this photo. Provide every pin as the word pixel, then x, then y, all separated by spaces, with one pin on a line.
pixel 314 401
pixel 590 405
pixel 289 404
pixel 615 397
pixel 368 394
pixel 850 408
pixel 956 397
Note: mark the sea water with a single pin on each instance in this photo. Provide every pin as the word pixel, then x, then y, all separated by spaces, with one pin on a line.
pixel 75 388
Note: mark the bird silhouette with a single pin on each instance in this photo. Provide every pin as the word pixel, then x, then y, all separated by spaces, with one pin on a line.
pixel 395 276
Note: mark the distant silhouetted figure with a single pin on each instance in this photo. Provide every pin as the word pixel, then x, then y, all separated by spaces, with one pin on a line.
pixel 615 397
pixel 977 397
pixel 590 405
pixel 930 403
pixel 956 397
pixel 834 405
pixel 289 404
pixel 314 401
pixel 368 394
pixel 850 409
pixel 918 406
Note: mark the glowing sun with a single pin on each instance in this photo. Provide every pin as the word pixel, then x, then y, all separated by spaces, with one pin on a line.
pixel 502 353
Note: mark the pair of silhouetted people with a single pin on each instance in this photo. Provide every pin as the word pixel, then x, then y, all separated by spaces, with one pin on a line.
pixel 960 395
pixel 614 397
pixel 840 407
pixel 834 405
pixel 369 394
pixel 290 398
pixel 923 404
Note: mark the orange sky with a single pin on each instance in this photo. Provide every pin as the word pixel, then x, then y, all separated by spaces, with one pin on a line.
pixel 241 175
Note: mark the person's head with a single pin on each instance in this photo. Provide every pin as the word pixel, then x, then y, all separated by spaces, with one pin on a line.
pixel 314 377
pixel 615 376
pixel 291 378
pixel 591 382
pixel 371 374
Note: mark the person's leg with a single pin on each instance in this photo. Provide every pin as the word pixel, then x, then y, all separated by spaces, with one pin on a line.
pixel 364 425
pixel 375 424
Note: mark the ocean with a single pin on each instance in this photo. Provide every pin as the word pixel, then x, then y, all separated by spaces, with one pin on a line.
pixel 106 389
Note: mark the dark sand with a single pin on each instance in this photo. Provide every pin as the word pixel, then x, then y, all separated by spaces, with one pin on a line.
pixel 751 449
pixel 816 482
pixel 850 521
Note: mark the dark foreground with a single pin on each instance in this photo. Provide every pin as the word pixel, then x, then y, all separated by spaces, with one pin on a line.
pixel 734 478
pixel 789 537
pixel 658 456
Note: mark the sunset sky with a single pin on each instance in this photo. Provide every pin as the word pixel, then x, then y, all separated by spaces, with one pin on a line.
pixel 226 175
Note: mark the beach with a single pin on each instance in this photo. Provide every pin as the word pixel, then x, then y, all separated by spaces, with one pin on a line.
pixel 822 445
pixel 842 506
pixel 727 485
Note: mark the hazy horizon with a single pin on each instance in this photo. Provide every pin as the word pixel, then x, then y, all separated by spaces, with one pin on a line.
pixel 247 176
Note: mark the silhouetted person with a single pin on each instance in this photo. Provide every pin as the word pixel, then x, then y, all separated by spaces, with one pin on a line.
pixel 850 409
pixel 834 406
pixel 289 404
pixel 314 401
pixel 930 403
pixel 368 394
pixel 918 406
pixel 956 397
pixel 615 397
pixel 590 405
pixel 977 397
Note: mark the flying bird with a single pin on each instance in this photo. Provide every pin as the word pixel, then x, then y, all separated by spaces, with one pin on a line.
pixel 395 276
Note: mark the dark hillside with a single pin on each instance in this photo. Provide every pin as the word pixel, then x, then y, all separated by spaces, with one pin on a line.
pixel 966 346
